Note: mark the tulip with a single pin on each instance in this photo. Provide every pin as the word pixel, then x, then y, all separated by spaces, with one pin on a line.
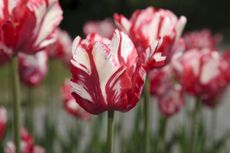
pixel 3 121
pixel 202 74
pixel 26 26
pixel 70 105
pixel 104 27
pixel 106 76
pixel 169 92
pixel 33 68
pixel 27 144
pixel 61 48
pixel 154 32
pixel 201 39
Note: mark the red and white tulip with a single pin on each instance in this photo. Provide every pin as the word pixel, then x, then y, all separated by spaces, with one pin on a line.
pixel 154 32
pixel 27 144
pixel 28 25
pixel 33 68
pixel 168 91
pixel 106 74
pixel 203 74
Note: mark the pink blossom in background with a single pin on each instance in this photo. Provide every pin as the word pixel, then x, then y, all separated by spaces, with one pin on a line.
pixel 70 104
pixel 201 39
pixel 27 144
pixel 167 90
pixel 202 74
pixel 33 68
pixel 106 74
pixel 3 121
pixel 28 25
pixel 61 48
pixel 104 28
pixel 154 32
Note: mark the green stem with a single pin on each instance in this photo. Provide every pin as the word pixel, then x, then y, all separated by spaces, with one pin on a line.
pixel 162 133
pixel 51 85
pixel 146 117
pixel 194 124
pixel 16 102
pixel 110 128
pixel 30 110
pixel 121 133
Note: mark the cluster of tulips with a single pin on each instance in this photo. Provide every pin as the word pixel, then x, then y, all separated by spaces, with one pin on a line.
pixel 120 64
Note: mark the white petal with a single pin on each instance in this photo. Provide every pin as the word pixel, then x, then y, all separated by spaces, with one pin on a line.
pixel 158 57
pixel 125 24
pixel 1 9
pixel 80 57
pixel 49 20
pixel 72 104
pixel 180 26
pixel 209 71
pixel 79 89
pixel 127 47
pixel 121 45
pixel 104 65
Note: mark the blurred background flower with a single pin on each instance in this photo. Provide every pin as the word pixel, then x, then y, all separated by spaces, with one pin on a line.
pixel 27 144
pixel 33 68
pixel 3 121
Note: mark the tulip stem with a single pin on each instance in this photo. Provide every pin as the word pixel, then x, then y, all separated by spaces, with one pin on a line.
pixel 162 133
pixel 110 129
pixel 194 124
pixel 30 110
pixel 16 102
pixel 146 117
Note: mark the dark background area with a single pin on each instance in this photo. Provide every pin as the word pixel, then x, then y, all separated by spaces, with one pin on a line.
pixel 213 14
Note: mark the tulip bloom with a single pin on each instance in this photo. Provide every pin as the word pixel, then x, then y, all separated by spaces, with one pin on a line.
pixel 203 74
pixel 3 120
pixel 104 28
pixel 154 32
pixel 28 25
pixel 33 68
pixel 70 104
pixel 106 74
pixel 201 40
pixel 168 91
pixel 61 48
pixel 27 144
